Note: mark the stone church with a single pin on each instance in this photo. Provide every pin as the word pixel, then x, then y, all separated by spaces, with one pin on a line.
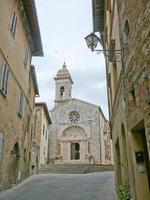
pixel 79 132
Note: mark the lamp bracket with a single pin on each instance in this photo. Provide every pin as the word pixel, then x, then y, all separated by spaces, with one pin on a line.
pixel 118 54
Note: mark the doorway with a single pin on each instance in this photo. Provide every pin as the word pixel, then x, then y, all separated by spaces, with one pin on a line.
pixel 14 163
pixel 75 151
pixel 118 163
pixel 141 161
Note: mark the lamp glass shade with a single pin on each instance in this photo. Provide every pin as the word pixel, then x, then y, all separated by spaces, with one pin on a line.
pixel 92 41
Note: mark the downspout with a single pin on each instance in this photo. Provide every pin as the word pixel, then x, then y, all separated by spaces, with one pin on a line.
pixel 100 139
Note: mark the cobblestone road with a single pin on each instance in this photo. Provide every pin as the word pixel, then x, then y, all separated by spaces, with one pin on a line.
pixel 94 186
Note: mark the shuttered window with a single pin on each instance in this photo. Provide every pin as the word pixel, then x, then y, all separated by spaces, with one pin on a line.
pixel 4 80
pixel 13 24
pixel 20 107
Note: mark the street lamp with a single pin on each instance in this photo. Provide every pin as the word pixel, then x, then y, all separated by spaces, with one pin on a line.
pixel 92 41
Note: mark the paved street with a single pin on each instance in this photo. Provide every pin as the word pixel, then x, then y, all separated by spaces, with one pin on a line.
pixel 94 186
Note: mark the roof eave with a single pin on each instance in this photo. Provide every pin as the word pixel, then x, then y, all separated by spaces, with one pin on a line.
pixel 98 15
pixel 31 14
pixel 35 80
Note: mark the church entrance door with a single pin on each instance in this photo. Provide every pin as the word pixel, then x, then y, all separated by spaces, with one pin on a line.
pixel 75 151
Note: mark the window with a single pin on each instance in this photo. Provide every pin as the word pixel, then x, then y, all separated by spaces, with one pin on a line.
pixel 46 135
pixel 20 108
pixel 43 129
pixel 132 97
pixel 26 58
pixel 89 147
pixel 5 74
pixel 13 24
pixel 24 156
pixel 1 145
pixel 27 122
pixel 62 91
pixel 74 117
pixel 126 30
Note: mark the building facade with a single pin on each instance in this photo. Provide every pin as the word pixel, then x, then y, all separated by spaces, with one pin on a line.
pixel 124 30
pixel 19 41
pixel 79 131
pixel 40 147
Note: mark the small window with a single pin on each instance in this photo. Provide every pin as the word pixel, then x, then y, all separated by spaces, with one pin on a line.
pixel 13 24
pixel 46 135
pixel 27 122
pixel 26 58
pixel 43 129
pixel 20 108
pixel 62 91
pixel 4 83
pixel 89 147
pixel 126 28
pixel 132 98
pixel 24 156
pixel 1 145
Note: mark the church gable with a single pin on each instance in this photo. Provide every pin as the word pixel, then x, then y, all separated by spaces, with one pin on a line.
pixel 74 111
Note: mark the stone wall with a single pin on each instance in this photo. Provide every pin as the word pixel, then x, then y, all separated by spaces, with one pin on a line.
pixel 15 162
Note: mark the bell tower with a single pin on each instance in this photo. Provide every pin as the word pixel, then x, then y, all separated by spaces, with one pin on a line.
pixel 63 89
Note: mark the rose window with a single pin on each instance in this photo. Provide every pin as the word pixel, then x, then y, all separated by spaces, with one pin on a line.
pixel 74 117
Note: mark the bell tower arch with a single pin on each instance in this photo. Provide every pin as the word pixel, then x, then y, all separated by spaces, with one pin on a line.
pixel 63 86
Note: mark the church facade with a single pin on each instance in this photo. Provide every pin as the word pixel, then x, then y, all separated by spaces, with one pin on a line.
pixel 79 132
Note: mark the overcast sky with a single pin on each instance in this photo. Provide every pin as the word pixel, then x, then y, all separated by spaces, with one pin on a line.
pixel 63 25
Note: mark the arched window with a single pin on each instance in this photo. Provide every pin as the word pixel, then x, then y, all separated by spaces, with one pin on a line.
pixel 62 91
pixel 74 117
pixel 126 28
pixel 15 155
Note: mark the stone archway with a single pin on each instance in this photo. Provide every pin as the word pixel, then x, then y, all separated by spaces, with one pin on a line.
pixel 74 144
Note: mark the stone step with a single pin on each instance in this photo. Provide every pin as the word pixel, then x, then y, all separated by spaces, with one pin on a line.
pixel 65 169
pixel 73 169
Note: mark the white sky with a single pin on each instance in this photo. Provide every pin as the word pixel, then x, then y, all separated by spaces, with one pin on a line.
pixel 63 26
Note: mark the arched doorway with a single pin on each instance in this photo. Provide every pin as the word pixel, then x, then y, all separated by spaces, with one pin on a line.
pixel 74 145
pixel 14 163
